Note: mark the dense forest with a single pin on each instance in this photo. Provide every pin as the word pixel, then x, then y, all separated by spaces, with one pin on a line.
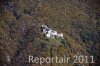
pixel 21 36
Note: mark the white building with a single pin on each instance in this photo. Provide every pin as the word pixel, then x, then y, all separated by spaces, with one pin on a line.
pixel 8 58
pixel 49 33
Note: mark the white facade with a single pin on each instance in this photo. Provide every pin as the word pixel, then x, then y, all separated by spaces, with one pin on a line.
pixel 49 33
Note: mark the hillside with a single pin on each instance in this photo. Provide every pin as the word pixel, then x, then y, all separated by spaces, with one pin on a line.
pixel 21 35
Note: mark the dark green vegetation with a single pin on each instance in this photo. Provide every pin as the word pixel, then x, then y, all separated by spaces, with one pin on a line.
pixel 21 36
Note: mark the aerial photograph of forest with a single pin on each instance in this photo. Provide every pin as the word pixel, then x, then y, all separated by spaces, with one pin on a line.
pixel 49 32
